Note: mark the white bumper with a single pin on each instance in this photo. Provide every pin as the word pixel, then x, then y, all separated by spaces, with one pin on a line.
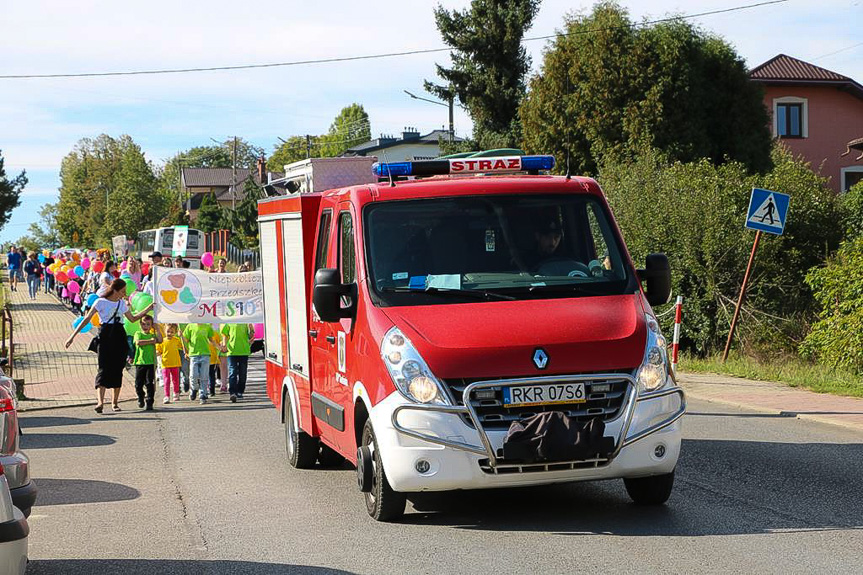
pixel 452 468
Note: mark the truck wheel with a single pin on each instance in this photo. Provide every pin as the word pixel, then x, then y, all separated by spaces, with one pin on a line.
pixel 329 457
pixel 301 448
pixel 653 490
pixel 382 503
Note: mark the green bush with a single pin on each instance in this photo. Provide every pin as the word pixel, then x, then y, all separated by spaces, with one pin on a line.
pixel 852 206
pixel 694 212
pixel 837 338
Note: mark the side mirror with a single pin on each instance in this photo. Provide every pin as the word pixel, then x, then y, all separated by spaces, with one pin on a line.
pixel 328 293
pixel 657 278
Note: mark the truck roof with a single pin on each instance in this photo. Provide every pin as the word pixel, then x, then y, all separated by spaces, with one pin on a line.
pixel 467 186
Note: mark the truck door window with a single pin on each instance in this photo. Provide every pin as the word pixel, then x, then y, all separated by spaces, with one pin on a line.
pixel 323 240
pixel 347 259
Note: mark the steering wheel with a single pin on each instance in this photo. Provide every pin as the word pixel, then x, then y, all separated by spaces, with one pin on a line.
pixel 561 266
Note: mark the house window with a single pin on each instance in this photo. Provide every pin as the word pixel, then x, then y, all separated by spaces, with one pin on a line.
pixel 790 117
pixel 790 120
pixel 850 176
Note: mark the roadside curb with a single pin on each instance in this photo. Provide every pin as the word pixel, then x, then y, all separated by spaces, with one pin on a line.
pixel 694 394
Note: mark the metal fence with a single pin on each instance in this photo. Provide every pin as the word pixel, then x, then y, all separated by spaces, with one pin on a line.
pixel 219 243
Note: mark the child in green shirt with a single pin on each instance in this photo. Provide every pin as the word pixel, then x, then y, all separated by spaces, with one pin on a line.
pixel 145 361
pixel 237 338
pixel 196 340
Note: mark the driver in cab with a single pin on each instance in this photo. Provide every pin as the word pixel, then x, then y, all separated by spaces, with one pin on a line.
pixel 548 258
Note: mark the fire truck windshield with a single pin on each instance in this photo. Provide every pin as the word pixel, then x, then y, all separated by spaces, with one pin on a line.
pixel 446 250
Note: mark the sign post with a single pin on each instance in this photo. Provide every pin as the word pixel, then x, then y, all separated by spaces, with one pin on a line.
pixel 766 213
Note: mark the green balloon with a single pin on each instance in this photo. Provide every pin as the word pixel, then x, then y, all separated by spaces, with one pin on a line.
pixel 131 327
pixel 141 300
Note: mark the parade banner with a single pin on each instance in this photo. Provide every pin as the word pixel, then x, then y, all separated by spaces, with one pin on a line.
pixel 195 296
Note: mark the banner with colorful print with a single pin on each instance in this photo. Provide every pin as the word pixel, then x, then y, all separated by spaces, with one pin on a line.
pixel 195 296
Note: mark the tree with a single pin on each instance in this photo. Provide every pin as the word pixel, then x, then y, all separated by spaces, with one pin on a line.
pixel 694 213
pixel 44 232
pixel 10 192
pixel 134 204
pixel 243 222
pixel 107 188
pixel 609 87
pixel 489 65
pixel 291 150
pixel 350 128
pixel 210 215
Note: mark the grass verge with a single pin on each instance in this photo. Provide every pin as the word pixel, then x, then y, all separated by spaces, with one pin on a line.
pixel 790 371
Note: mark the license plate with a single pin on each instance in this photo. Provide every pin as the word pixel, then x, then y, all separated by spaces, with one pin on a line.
pixel 551 394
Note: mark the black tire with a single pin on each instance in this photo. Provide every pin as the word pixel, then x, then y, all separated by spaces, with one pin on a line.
pixel 653 490
pixel 301 449
pixel 329 457
pixel 382 503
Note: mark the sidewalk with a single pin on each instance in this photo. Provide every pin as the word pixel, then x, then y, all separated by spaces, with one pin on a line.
pixel 774 398
pixel 53 376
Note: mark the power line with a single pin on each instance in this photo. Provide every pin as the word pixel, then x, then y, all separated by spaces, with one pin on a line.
pixel 368 56
pixel 845 49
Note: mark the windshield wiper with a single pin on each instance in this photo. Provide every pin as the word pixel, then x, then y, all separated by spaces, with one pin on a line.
pixel 450 291
pixel 568 287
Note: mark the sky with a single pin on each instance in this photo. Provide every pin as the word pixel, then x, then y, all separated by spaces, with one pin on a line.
pixel 42 119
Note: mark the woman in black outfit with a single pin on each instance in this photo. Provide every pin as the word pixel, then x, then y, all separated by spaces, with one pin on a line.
pixel 113 346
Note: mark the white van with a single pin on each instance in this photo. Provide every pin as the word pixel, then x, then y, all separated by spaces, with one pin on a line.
pixel 162 240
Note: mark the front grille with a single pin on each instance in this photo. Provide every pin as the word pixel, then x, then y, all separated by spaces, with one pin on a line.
pixel 493 415
pixel 506 469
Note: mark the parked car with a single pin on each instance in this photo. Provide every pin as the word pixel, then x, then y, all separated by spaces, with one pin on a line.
pixel 13 460
pixel 14 533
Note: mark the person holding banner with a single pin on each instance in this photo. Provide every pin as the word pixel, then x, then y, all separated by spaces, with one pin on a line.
pixel 113 348
pixel 237 340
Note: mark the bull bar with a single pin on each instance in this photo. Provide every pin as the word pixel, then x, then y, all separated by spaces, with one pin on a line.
pixel 626 412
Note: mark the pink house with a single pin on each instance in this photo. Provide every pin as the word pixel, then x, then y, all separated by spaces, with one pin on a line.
pixel 816 113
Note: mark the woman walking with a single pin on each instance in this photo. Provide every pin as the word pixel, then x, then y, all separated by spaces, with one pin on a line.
pixel 113 345
pixel 34 274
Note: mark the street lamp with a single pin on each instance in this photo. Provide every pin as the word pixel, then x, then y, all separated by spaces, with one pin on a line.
pixel 449 105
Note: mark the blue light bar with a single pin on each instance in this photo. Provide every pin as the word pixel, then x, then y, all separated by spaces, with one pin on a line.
pixel 537 163
pixel 395 169
pixel 470 165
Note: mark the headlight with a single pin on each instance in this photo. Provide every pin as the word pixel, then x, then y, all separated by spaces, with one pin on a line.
pixel 409 371
pixel 653 372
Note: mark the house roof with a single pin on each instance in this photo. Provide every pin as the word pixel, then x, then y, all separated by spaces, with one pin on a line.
pixel 432 138
pixel 785 70
pixel 213 177
pixel 224 178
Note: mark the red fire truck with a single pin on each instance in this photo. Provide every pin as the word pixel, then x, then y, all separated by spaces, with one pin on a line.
pixel 466 323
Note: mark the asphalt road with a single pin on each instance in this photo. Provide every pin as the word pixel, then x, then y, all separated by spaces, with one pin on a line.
pixel 194 489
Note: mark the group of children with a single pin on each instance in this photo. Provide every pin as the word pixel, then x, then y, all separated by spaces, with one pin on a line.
pixel 194 351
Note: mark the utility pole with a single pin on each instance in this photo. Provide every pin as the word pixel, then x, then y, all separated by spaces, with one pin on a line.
pixel 451 123
pixel 234 176
pixel 308 146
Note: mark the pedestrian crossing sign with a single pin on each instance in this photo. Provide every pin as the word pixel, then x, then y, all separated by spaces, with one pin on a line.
pixel 767 211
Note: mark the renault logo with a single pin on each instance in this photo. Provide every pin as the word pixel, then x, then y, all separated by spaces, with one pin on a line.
pixel 540 358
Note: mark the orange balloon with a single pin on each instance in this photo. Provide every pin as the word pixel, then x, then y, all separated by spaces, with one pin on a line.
pixel 95 320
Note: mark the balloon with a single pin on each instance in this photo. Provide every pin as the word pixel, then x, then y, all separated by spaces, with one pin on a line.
pixel 145 268
pixel 41 259
pixel 79 271
pixel 72 274
pixel 259 331
pixel 123 265
pixel 207 259
pixel 84 329
pixel 141 300
pixel 98 267
pixel 85 263
pixel 74 288
pixel 49 270
pixel 61 277
pixel 131 328
pixel 95 321
pixel 91 299
pixel 45 253
pixel 76 256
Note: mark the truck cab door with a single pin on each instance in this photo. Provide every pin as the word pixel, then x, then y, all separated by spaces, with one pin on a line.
pixel 322 341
